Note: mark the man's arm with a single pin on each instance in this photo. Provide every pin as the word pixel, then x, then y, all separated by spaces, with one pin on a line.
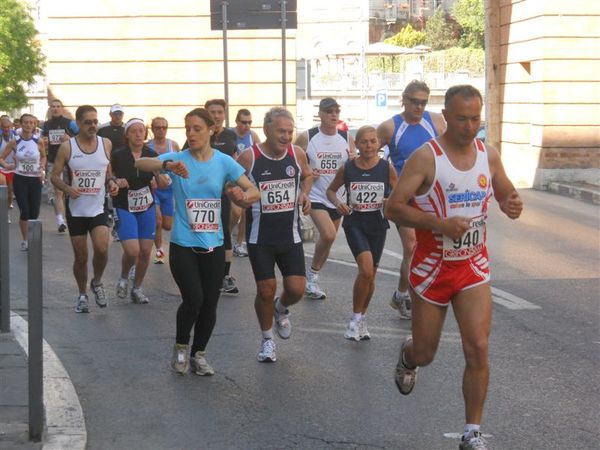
pixel 306 180
pixel 505 193
pixel 384 132
pixel 439 122
pixel 255 138
pixel 302 140
pixel 351 147
pixel 10 147
pixel 416 176
pixel 62 156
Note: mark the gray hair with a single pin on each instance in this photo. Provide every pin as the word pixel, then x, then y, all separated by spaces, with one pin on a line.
pixel 275 113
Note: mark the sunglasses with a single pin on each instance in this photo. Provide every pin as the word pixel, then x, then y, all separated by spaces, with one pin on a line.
pixel 417 102
pixel 246 122
pixel 159 128
pixel 332 111
pixel 90 122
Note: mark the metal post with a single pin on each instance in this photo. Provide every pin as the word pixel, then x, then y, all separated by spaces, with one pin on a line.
pixel 283 56
pixel 4 266
pixel 225 70
pixel 36 332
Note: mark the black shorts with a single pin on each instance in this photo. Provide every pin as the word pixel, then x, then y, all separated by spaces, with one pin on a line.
pixel 333 214
pixel 289 259
pixel 360 241
pixel 80 226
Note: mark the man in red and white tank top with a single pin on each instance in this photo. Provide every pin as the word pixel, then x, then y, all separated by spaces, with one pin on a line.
pixel 444 192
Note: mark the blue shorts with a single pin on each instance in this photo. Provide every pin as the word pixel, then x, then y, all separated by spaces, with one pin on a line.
pixel 139 225
pixel 163 198
pixel 360 240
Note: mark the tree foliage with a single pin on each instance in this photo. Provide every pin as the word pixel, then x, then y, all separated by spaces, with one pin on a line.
pixel 470 16
pixel 407 37
pixel 21 58
pixel 439 33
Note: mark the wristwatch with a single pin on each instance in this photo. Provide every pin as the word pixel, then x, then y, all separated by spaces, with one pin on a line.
pixel 164 164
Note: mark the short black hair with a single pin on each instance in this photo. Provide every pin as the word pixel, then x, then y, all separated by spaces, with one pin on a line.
pixel 82 110
pixel 466 91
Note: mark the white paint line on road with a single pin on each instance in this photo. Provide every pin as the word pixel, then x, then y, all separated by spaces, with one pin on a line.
pixel 511 301
pixel 391 253
pixel 376 333
pixel 499 296
pixel 65 424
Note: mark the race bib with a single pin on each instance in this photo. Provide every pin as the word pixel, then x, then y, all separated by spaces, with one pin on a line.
pixel 203 214
pixel 139 200
pixel 327 163
pixel 88 182
pixel 54 136
pixel 366 196
pixel 277 196
pixel 28 167
pixel 469 244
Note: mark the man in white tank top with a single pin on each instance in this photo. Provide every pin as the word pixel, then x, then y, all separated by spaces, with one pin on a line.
pixel 327 149
pixel 87 157
pixel 444 192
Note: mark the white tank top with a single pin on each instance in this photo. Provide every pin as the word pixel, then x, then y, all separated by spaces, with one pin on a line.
pixel 10 159
pixel 457 193
pixel 27 157
pixel 88 174
pixel 326 154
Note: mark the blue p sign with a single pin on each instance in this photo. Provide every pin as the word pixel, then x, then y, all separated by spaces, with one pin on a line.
pixel 381 98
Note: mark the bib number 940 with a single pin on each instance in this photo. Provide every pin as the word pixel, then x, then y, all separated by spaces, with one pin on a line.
pixel 469 244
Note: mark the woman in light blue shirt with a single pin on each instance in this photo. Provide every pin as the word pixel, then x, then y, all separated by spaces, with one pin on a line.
pixel 196 255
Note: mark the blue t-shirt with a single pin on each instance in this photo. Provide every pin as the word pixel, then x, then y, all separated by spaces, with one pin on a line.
pixel 206 181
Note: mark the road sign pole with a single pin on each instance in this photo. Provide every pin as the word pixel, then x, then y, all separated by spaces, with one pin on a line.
pixel 283 55
pixel 224 5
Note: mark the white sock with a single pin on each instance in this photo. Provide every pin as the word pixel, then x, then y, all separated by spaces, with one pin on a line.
pixel 356 317
pixel 470 428
pixel 60 219
pixel 280 307
pixel 268 334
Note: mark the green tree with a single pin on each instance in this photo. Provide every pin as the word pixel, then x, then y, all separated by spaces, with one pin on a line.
pixel 439 32
pixel 21 58
pixel 407 37
pixel 470 16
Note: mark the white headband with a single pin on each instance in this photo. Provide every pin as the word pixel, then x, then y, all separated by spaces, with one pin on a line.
pixel 133 122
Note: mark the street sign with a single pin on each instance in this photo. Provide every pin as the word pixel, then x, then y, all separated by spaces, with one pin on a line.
pixel 381 98
pixel 253 14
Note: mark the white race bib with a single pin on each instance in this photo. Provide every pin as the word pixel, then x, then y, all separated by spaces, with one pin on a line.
pixel 88 181
pixel 366 196
pixel 139 200
pixel 28 167
pixel 277 195
pixel 203 214
pixel 469 244
pixel 54 136
pixel 328 163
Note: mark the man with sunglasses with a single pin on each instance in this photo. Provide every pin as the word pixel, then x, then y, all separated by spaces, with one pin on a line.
pixel 403 134
pixel 87 157
pixel 327 149
pixel 245 139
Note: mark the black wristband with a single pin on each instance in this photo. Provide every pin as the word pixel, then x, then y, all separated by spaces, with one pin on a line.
pixel 164 164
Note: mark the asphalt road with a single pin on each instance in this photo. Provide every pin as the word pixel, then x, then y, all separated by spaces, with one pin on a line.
pixel 328 393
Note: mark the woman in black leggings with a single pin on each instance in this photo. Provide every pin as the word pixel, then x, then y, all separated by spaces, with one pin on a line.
pixel 29 162
pixel 196 253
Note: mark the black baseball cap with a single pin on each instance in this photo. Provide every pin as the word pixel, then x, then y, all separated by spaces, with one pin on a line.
pixel 327 103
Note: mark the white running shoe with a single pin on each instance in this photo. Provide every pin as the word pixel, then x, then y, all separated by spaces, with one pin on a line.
pixel 138 296
pixel 363 332
pixel 98 291
pixel 312 286
pixel 82 304
pixel 267 351
pixel 199 366
pixel 352 332
pixel 180 359
pixel 131 275
pixel 240 250
pixel 473 441
pixel 122 288
pixel 402 303
pixel 283 326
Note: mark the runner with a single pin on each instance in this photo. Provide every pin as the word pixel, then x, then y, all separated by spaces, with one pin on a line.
pixel 29 161
pixel 163 198
pixel 87 157
pixel 368 180
pixel 403 134
pixel 57 129
pixel 281 172
pixel 6 176
pixel 327 149
pixel 224 140
pixel 444 192
pixel 136 225
pixel 245 138
pixel 196 253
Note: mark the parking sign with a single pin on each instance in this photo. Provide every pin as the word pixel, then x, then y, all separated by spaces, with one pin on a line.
pixel 381 98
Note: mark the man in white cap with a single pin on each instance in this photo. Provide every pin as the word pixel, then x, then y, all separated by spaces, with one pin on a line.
pixel 114 130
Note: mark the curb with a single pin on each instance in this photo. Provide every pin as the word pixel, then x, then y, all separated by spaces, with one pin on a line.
pixel 583 193
pixel 65 423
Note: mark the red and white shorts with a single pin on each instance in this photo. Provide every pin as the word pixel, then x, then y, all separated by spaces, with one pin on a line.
pixel 8 175
pixel 438 281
